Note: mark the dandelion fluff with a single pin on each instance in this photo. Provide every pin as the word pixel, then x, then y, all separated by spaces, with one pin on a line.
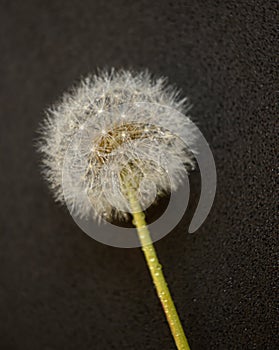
pixel 110 124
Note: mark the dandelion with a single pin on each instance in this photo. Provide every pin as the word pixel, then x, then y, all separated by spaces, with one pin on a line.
pixel 113 140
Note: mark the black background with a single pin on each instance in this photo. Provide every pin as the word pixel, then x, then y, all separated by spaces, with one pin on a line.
pixel 59 289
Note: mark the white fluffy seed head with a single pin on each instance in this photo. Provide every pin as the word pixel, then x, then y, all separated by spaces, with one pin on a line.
pixel 110 125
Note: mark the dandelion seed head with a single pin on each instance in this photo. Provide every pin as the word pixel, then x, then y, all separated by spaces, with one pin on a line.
pixel 110 123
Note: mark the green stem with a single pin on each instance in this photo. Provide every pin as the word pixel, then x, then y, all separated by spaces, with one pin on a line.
pixel 156 272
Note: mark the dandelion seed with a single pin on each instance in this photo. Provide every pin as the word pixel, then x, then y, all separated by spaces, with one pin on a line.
pixel 126 120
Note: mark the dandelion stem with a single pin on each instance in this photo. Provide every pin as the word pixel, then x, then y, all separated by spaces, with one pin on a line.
pixel 156 272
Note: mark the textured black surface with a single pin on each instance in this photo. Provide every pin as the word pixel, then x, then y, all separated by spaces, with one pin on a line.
pixel 59 289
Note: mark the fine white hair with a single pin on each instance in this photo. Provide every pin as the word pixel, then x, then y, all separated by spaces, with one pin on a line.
pixel 109 122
